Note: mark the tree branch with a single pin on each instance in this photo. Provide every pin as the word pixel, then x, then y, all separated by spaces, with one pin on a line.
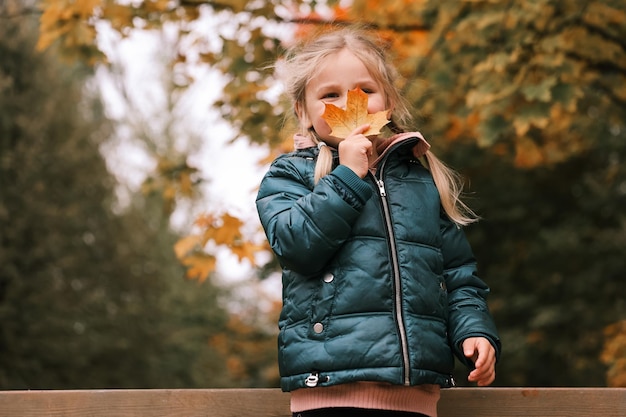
pixel 370 25
pixel 605 34
pixel 22 13
pixel 603 67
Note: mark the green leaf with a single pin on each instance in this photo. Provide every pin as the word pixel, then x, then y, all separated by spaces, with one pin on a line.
pixel 541 91
pixel 491 130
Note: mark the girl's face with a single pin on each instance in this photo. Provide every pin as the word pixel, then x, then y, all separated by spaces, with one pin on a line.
pixel 338 73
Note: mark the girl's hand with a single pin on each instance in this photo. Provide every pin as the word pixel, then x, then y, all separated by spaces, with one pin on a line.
pixel 355 150
pixel 482 353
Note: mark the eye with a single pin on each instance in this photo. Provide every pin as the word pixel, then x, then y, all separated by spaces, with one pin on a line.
pixel 368 90
pixel 330 95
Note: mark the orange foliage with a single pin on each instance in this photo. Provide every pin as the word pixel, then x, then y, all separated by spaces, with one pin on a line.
pixel 527 153
pixel 460 127
pixel 314 22
pixel 614 354
pixel 555 146
pixel 456 128
pixel 249 351
pixel 224 230
pixel 199 266
pixel 492 83
pixel 70 22
pixel 409 44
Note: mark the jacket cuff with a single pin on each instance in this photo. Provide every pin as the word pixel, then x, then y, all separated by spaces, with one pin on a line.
pixel 359 188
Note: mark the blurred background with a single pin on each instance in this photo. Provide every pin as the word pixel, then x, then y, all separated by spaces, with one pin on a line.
pixel 133 135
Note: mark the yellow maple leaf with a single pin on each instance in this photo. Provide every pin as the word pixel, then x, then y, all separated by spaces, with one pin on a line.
pixel 199 266
pixel 246 250
pixel 187 245
pixel 225 230
pixel 343 122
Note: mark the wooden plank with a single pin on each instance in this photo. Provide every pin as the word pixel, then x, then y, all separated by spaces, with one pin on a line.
pixel 145 403
pixel 457 402
pixel 533 402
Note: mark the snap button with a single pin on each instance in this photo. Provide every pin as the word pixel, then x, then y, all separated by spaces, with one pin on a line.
pixel 329 277
pixel 318 328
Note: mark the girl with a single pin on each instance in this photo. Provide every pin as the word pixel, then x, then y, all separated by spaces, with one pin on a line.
pixel 379 282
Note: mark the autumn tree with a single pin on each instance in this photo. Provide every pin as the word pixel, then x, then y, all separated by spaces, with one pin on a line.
pixel 528 99
pixel 89 297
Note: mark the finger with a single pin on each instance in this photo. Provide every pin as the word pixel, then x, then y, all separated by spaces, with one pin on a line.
pixel 368 147
pixel 469 349
pixel 481 371
pixel 487 378
pixel 360 130
pixel 487 358
pixel 482 377
pixel 482 353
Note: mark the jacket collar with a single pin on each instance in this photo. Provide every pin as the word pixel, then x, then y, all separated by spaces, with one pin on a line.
pixel 419 149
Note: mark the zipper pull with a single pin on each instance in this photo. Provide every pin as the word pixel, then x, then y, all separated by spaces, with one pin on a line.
pixel 381 187
pixel 312 380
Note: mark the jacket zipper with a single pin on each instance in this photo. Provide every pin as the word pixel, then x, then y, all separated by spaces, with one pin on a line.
pixel 396 274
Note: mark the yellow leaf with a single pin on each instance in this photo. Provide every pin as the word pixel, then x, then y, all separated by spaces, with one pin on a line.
pixel 85 8
pixel 81 35
pixel 225 231
pixel 343 122
pixel 186 244
pixel 245 250
pixel 614 354
pixel 120 16
pixel 199 266
pixel 47 38
pixel 527 153
pixel 156 5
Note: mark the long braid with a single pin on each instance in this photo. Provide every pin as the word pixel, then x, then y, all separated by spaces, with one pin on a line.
pixel 450 187
pixel 324 163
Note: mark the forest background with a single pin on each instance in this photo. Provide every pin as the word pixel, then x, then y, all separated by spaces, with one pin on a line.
pixel 105 285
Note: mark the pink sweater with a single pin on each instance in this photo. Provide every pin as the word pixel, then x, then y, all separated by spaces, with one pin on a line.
pixel 373 395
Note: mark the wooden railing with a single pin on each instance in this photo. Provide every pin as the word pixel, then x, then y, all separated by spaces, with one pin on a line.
pixel 456 402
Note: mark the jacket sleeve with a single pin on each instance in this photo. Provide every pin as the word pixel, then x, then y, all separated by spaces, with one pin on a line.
pixel 469 314
pixel 306 224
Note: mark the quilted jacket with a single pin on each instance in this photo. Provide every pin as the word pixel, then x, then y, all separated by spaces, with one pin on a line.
pixel 378 284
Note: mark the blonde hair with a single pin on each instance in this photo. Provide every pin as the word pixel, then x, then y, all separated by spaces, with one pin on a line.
pixel 300 65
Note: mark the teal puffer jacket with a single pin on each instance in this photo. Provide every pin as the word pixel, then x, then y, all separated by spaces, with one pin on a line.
pixel 378 284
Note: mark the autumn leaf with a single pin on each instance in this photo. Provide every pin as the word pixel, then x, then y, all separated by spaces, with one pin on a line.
pixel 343 122
pixel 246 250
pixel 223 231
pixel 187 245
pixel 614 353
pixel 199 266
